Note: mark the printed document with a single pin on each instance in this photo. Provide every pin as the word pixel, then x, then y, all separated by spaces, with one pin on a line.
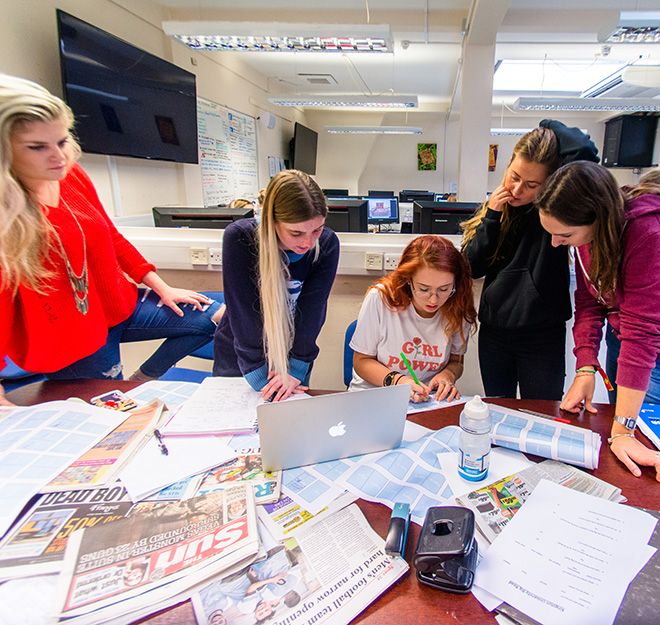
pixel 566 558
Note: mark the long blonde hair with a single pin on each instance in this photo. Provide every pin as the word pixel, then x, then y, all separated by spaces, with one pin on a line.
pixel 537 146
pixel 291 197
pixel 25 232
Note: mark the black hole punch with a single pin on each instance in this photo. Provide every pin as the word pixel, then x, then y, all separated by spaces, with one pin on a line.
pixel 442 527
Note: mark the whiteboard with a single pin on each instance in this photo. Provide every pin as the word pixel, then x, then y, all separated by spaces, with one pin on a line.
pixel 227 153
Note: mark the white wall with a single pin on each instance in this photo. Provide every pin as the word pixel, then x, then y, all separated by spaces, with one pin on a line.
pixel 28 48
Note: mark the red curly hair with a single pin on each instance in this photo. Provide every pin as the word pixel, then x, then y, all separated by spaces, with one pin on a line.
pixel 440 254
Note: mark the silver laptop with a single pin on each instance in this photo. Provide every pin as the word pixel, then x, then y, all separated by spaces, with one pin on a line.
pixel 328 427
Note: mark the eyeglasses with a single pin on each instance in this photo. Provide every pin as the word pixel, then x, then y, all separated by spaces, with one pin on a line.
pixel 426 293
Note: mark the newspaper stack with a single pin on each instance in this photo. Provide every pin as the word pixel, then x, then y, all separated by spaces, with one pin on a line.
pixel 496 504
pixel 156 553
pixel 327 573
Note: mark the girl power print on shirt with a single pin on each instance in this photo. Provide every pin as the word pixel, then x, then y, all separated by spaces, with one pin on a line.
pixel 414 351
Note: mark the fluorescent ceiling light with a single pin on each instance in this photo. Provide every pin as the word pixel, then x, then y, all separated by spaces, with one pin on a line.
pixel 633 27
pixel 564 76
pixel 281 37
pixel 626 105
pixel 509 132
pixel 374 130
pixel 347 101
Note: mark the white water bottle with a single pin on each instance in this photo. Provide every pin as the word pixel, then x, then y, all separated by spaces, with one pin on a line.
pixel 474 443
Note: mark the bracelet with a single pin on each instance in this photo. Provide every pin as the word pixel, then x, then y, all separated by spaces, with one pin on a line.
pixel 400 375
pixel 591 370
pixel 627 434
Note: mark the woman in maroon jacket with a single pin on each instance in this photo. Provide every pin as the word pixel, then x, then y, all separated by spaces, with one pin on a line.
pixel 617 241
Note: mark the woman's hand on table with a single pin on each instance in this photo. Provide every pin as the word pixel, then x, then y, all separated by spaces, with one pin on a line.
pixel 632 452
pixel 280 387
pixel 418 392
pixel 444 382
pixel 580 394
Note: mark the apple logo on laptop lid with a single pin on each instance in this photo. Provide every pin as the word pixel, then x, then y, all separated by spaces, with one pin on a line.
pixel 337 430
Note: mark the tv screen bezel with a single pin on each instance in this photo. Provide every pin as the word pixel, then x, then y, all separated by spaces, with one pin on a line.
pixel 190 155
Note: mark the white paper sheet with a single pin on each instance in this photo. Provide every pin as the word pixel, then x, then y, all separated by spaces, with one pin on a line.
pixel 503 462
pixel 567 558
pixel 150 470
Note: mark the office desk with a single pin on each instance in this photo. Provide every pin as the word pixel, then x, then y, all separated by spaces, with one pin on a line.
pixel 407 602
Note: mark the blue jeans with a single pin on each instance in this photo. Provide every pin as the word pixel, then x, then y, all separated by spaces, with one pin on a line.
pixel 149 320
pixel 613 349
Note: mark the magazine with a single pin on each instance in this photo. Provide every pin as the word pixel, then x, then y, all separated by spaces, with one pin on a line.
pixel 328 573
pixel 158 551
pixel 102 462
pixel 495 505
pixel 36 544
pixel 245 467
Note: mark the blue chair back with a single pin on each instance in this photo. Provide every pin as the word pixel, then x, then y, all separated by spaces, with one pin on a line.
pixel 13 377
pixel 348 352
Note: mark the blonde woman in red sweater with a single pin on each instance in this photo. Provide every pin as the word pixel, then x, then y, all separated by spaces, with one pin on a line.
pixel 68 290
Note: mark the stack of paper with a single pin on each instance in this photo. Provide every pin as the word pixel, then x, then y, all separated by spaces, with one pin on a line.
pixel 566 558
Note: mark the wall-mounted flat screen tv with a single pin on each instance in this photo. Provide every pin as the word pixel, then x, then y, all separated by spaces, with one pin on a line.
pixel 303 148
pixel 126 101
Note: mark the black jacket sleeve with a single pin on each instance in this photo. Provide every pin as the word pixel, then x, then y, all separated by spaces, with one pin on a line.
pixel 480 251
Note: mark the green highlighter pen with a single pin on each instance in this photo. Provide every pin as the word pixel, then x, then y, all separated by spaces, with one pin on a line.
pixel 410 369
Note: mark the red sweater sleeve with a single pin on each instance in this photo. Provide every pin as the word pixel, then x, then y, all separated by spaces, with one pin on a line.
pixel 589 319
pixel 639 313
pixel 130 260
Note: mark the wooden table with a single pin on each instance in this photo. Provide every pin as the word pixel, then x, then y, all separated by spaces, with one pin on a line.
pixel 407 602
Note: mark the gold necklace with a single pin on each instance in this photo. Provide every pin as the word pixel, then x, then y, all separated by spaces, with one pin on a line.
pixel 79 282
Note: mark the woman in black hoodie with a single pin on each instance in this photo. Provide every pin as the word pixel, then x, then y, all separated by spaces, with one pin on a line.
pixel 525 300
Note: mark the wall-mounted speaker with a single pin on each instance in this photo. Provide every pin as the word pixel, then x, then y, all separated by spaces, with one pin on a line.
pixel 629 141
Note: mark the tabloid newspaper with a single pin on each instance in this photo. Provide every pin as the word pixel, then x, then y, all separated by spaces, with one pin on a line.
pixel 156 553
pixel 328 573
pixel 496 504
pixel 36 544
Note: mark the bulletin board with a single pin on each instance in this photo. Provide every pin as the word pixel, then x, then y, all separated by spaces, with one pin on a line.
pixel 227 153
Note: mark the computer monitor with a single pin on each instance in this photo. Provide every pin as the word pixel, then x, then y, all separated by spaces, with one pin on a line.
pixel 347 215
pixel 382 210
pixel 410 195
pixel 373 193
pixel 192 217
pixel 335 192
pixel 441 217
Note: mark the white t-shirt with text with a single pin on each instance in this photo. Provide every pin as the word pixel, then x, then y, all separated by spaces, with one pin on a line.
pixel 385 333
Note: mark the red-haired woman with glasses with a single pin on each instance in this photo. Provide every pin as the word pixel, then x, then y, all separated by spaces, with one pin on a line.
pixel 421 313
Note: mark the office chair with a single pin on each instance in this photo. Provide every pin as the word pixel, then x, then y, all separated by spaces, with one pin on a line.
pixel 13 377
pixel 348 352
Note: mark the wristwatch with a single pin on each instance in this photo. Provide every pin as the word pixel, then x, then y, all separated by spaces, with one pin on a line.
pixel 627 422
pixel 388 380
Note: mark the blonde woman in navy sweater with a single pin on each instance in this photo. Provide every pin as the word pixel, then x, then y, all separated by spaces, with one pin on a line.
pixel 277 277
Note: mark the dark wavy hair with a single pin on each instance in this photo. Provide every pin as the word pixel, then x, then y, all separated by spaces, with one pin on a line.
pixel 437 253
pixel 584 194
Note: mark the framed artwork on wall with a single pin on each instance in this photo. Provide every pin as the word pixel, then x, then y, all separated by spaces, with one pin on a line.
pixel 427 156
pixel 492 156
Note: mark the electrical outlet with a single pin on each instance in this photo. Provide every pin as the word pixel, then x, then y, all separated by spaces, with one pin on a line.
pixel 391 262
pixel 199 256
pixel 215 255
pixel 373 260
